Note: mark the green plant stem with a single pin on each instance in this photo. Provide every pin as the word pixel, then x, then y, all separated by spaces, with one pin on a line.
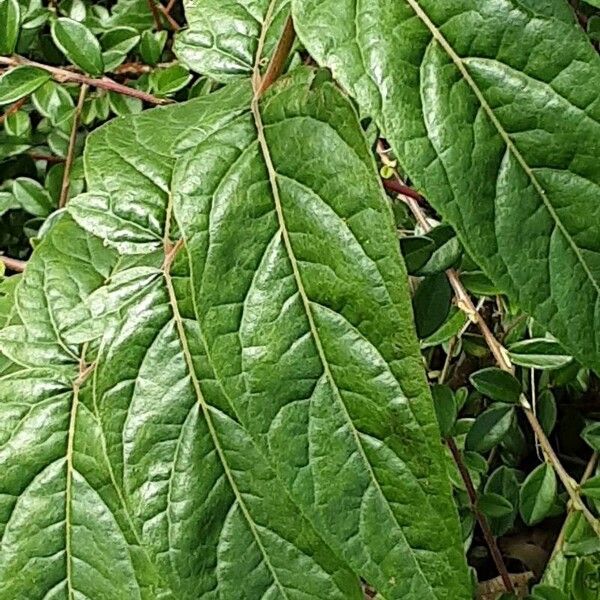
pixel 12 109
pixel 66 76
pixel 500 354
pixel 66 180
pixel 13 264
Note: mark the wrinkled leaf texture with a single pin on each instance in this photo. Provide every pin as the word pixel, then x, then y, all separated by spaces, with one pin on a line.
pixel 222 37
pixel 219 392
pixel 492 108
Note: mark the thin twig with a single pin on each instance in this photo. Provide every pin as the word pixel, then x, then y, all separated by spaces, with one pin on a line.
pixel 451 347
pixel 481 518
pixel 472 492
pixel 46 157
pixel 12 109
pixel 277 63
pixel 155 15
pixel 170 5
pixel 66 76
pixel 175 26
pixel 66 180
pixel 465 303
pixel 13 264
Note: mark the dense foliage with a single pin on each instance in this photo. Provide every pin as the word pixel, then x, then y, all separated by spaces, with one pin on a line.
pixel 299 299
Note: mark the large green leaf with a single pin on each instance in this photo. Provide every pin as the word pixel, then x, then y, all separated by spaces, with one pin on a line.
pixel 222 35
pixel 253 420
pixel 492 107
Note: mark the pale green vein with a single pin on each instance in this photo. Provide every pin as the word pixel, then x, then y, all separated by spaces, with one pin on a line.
pixel 460 65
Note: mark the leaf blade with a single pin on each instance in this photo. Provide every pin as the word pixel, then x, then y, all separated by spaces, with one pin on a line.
pixel 520 187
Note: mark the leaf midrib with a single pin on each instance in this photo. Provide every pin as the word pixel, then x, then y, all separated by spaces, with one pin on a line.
pixel 208 418
pixel 272 174
pixel 460 65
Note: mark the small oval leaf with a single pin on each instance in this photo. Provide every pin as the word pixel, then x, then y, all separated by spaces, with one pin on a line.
pixel 495 505
pixel 489 428
pixel 497 385
pixel 539 353
pixel 79 45
pixel 537 494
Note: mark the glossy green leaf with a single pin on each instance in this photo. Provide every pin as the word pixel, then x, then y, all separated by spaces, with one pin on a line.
pixel 490 427
pixel 7 202
pixel 10 16
pixel 540 353
pixel 538 493
pixel 32 197
pixel 78 44
pixel 170 79
pixel 52 100
pixel 19 82
pixel 18 125
pixel 116 44
pixel 479 284
pixel 454 324
pixel 497 384
pixel 416 251
pixel 222 35
pixel 255 418
pixel 492 108
pixel 131 13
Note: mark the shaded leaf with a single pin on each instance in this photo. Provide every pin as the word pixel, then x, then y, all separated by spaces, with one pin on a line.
pixel 431 304
pixel 495 505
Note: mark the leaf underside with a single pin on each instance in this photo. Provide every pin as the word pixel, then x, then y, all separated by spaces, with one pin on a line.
pixel 492 108
pixel 221 396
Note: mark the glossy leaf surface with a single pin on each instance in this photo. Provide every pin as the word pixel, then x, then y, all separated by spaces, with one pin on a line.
pixel 233 407
pixel 222 35
pixel 492 108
